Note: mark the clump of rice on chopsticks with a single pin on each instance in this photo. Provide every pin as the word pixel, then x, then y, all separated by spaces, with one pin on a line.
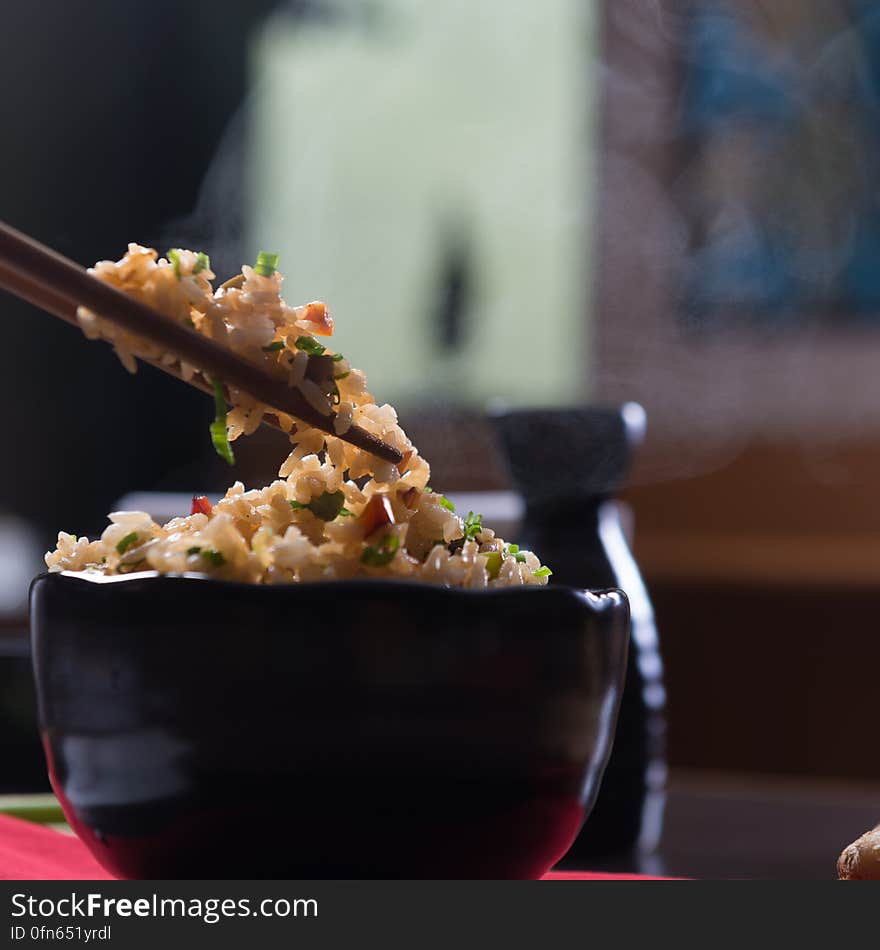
pixel 336 511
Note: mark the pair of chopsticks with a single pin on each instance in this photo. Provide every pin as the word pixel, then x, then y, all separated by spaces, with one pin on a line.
pixel 43 277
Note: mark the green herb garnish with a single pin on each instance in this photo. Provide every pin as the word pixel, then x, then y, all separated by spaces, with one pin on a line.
pixel 380 554
pixel 194 550
pixel 542 572
pixel 345 513
pixel 274 347
pixel 213 557
pixel 203 262
pixel 328 506
pixel 173 255
pixel 266 263
pixel 126 542
pixel 446 503
pixel 338 357
pixel 219 435
pixel 309 345
pixel 473 525
pixel 343 375
pixel 494 560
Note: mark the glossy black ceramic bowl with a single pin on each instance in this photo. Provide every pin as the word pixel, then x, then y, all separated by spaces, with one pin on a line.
pixel 196 728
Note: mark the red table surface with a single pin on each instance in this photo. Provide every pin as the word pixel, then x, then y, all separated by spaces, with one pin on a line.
pixel 30 852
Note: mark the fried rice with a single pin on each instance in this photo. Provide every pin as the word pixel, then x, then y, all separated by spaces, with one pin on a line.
pixel 336 511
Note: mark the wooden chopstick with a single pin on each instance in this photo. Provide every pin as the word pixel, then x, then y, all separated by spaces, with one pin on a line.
pixel 43 298
pixel 43 277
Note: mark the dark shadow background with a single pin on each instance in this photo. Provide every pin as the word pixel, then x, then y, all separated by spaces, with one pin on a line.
pixel 112 112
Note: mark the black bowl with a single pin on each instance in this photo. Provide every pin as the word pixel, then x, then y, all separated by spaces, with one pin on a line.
pixel 197 728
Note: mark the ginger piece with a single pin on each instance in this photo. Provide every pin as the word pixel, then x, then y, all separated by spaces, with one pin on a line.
pixel 860 861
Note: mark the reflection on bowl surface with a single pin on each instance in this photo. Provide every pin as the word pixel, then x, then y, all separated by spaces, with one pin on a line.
pixel 197 728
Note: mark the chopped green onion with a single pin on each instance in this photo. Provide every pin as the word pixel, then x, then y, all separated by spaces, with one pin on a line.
pixel 219 435
pixel 345 513
pixel 274 347
pixel 194 550
pixel 310 345
pixel 343 375
pixel 519 558
pixel 494 560
pixel 446 503
pixel 542 572
pixel 214 557
pixel 266 263
pixel 127 542
pixel 203 262
pixel 382 553
pixel 473 525
pixel 173 255
pixel 513 549
pixel 327 506
pixel 338 357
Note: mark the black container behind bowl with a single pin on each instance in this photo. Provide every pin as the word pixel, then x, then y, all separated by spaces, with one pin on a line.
pixel 198 728
pixel 568 464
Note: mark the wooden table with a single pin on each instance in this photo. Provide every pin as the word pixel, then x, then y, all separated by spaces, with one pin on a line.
pixel 740 826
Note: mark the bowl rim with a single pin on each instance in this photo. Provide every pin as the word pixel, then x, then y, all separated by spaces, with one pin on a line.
pixel 597 598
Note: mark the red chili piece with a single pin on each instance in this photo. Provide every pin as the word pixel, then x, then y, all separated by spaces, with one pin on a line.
pixel 201 506
pixel 318 314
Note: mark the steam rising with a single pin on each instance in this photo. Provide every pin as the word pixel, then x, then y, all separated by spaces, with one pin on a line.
pixel 217 225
